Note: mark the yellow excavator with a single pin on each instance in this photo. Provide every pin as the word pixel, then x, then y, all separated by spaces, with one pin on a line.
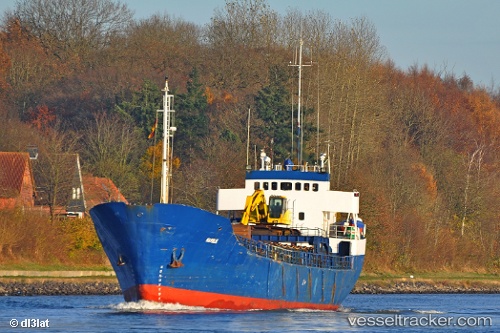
pixel 258 211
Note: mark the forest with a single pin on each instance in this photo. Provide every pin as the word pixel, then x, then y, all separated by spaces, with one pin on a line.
pixel 420 145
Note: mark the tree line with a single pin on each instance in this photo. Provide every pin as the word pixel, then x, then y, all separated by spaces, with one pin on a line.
pixel 421 146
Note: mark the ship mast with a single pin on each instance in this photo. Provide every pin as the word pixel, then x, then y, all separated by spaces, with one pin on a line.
pixel 299 130
pixel 168 134
pixel 300 134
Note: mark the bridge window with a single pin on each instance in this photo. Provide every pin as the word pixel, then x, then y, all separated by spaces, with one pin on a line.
pixel 265 186
pixel 274 186
pixel 286 186
pixel 298 186
pixel 306 186
pixel 256 186
pixel 315 187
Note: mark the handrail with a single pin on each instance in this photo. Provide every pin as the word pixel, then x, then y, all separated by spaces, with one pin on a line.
pixel 303 168
pixel 306 231
pixel 331 261
pixel 346 232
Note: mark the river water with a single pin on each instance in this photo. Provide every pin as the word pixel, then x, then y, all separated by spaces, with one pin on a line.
pixel 359 313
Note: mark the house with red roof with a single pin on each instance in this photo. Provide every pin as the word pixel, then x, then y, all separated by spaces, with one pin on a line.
pixel 24 183
pixel 16 181
pixel 99 190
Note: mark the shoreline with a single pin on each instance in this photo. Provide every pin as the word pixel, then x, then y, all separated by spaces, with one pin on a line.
pixel 58 283
pixel 57 287
pixel 91 285
pixel 419 287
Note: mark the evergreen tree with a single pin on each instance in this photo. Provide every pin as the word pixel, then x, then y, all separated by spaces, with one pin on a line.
pixel 141 110
pixel 273 108
pixel 191 118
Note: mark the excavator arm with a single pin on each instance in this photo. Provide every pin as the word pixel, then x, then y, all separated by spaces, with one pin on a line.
pixel 257 211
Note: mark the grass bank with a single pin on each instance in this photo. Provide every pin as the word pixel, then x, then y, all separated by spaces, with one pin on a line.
pixel 31 266
pixel 446 278
pixel 385 279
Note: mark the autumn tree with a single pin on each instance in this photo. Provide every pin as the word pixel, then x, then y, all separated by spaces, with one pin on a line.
pixel 4 69
pixel 150 172
pixel 31 71
pixel 42 118
pixel 151 167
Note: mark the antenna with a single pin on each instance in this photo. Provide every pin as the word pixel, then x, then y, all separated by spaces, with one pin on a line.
pixel 317 117
pixel 248 139
pixel 300 134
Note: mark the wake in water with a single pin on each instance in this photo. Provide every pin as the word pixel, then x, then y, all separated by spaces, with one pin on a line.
pixel 303 310
pixel 387 311
pixel 155 307
pixel 428 311
pixel 344 309
pixel 148 306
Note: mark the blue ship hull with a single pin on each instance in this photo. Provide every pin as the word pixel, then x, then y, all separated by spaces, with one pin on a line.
pixel 180 254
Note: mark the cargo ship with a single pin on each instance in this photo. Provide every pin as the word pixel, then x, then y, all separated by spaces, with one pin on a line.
pixel 283 241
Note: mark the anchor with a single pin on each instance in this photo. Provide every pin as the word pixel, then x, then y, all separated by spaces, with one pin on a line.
pixel 120 262
pixel 176 261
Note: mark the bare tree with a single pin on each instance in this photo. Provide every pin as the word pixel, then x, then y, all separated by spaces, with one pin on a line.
pixel 350 90
pixel 474 160
pixel 162 43
pixel 109 147
pixel 245 29
pixel 73 27
pixel 55 168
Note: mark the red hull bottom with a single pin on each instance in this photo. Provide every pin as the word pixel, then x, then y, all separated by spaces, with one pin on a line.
pixel 149 292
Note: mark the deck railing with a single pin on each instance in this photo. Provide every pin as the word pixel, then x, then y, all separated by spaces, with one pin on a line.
pixel 303 168
pixel 297 257
pixel 346 232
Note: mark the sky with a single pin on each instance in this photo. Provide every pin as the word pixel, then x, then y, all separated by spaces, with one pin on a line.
pixel 449 36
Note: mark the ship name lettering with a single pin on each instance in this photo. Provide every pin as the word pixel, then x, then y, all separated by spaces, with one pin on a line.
pixel 212 240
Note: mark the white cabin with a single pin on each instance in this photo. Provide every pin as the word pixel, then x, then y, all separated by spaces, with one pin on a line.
pixel 313 204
